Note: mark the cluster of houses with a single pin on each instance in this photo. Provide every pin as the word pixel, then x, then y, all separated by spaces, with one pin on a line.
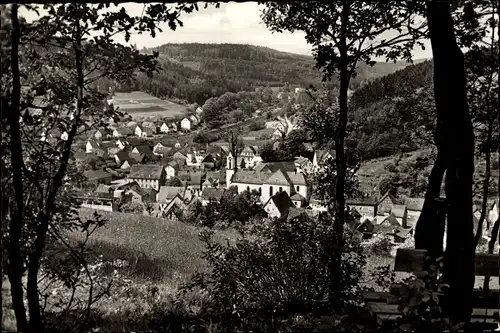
pixel 203 172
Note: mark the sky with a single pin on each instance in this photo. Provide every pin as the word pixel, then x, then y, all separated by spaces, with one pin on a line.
pixel 230 23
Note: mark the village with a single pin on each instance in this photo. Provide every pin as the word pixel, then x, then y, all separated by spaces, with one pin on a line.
pixel 158 167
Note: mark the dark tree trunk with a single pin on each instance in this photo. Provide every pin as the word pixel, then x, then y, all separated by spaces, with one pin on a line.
pixel 429 231
pixel 16 221
pixel 457 137
pixel 339 220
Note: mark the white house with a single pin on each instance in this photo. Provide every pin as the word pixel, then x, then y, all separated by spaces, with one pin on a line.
pixel 91 145
pixel 186 124
pixel 164 128
pixel 199 111
pixel 138 131
pixel 171 169
pixel 278 205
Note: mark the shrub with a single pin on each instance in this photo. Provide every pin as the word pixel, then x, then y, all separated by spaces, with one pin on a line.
pixel 380 245
pixel 284 272
pixel 257 125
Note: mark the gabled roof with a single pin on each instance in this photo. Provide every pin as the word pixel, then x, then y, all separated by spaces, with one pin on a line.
pixel 94 142
pixel 103 188
pixel 282 201
pixel 167 193
pixel 297 197
pixel 248 150
pixel 414 204
pixel 96 174
pixel 387 195
pixel 125 131
pixel 278 178
pixel 398 210
pixel 146 172
pixel 297 178
pixel 392 220
pixel 144 149
pixel 137 158
pixel 367 224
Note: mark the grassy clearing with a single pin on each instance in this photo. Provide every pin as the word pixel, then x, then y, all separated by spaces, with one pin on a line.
pixel 155 249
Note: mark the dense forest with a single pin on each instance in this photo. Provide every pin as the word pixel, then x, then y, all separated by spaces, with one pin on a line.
pixel 195 72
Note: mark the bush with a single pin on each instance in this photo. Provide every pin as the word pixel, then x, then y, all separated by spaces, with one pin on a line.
pixel 380 245
pixel 260 280
pixel 257 125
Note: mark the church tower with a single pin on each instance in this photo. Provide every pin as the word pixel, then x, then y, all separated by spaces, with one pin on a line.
pixel 230 162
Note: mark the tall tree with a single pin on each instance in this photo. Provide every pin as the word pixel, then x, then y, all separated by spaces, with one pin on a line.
pixel 343 34
pixel 455 143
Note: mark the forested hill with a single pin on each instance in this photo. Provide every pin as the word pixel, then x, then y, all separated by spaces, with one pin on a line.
pixel 388 125
pixel 195 71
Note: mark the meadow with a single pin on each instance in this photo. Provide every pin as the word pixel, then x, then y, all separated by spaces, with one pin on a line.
pixel 140 104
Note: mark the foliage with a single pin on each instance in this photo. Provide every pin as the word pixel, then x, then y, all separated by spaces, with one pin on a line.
pixel 257 125
pixel 380 245
pixel 420 303
pixel 409 177
pixel 326 177
pixel 133 207
pixel 231 209
pixel 278 275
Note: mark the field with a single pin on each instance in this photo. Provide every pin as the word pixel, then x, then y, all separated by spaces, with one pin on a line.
pixel 140 104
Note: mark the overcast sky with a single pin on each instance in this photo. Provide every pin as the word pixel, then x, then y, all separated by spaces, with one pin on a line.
pixel 231 23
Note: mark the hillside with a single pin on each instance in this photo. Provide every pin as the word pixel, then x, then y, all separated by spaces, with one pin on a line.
pixel 195 72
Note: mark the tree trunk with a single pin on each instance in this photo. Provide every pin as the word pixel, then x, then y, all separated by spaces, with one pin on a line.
pixel 339 220
pixel 455 125
pixel 429 231
pixel 16 221
pixel 486 183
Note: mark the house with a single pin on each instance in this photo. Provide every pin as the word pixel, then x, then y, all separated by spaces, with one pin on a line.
pixel 144 132
pixel 267 179
pixel 122 144
pixel 174 209
pixel 209 162
pixel 320 156
pixel 199 111
pixel 143 149
pixel 102 188
pixel 92 145
pixel 414 207
pixel 366 207
pixel 168 194
pixel 139 194
pixel 391 221
pixel 99 176
pixel 194 120
pixel 138 131
pixel 298 200
pixel 186 124
pixel 112 151
pixel 147 176
pixel 366 227
pixel 103 134
pixel 278 205
pixel 193 180
pixel 210 193
pixel 162 151
pixel 303 164
pixel 171 169
pixel 402 234
pixel 150 125
pixel 164 127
